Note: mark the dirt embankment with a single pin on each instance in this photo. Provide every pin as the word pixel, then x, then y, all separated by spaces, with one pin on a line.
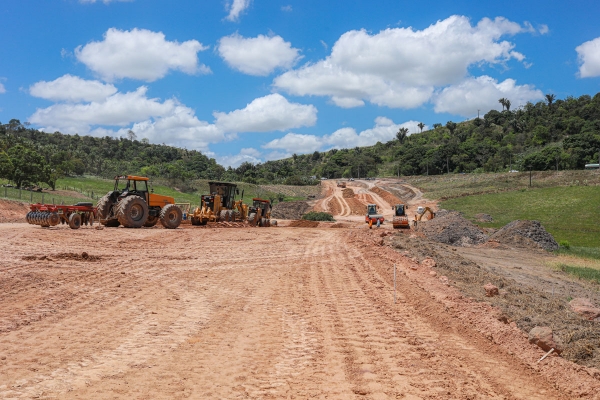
pixel 334 207
pixel 385 195
pixel 13 211
pixel 290 209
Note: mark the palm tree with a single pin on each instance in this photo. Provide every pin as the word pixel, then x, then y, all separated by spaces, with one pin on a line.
pixel 550 99
pixel 507 104
pixel 451 126
pixel 503 102
pixel 421 126
pixel 401 135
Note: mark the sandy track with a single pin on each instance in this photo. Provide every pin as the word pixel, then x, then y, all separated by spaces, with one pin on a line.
pixel 238 313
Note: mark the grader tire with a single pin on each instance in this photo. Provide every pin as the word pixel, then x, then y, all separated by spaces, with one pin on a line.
pixel 170 216
pixel 251 218
pixel 151 221
pixel 104 205
pixel 132 212
pixel 224 216
pixel 74 221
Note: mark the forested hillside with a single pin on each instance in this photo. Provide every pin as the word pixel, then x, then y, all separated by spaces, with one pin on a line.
pixel 563 134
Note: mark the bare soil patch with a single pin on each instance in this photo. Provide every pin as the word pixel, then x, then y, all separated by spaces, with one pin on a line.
pixel 13 211
pixel 303 224
pixel 385 195
pixel 527 297
pixel 348 193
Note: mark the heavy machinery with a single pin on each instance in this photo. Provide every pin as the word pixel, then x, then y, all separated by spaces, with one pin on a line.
pixel 259 213
pixel 341 184
pixel 220 205
pixel 47 215
pixel 421 213
pixel 132 205
pixel 372 216
pixel 400 220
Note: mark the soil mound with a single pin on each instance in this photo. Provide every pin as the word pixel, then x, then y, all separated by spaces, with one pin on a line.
pixel 348 193
pixel 523 233
pixel 13 211
pixel 452 228
pixel 290 209
pixel 302 223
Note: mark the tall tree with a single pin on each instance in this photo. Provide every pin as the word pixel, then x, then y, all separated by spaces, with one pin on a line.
pixel 451 126
pixel 421 126
pixel 503 102
pixel 401 135
pixel 550 99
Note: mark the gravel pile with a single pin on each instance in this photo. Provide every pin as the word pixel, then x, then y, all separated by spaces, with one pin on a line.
pixel 452 228
pixel 522 233
pixel 290 210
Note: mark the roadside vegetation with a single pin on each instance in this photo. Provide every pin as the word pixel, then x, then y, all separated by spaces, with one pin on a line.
pixel 318 216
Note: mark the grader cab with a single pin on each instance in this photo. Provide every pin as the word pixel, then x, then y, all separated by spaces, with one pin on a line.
pixel 132 205
pixel 220 205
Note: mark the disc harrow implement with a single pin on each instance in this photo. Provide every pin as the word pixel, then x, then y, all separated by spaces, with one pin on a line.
pixel 47 215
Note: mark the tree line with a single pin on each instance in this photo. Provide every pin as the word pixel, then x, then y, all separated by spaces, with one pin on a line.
pixel 549 134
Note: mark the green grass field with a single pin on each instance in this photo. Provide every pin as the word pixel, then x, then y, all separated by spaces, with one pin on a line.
pixel 568 213
pixel 75 189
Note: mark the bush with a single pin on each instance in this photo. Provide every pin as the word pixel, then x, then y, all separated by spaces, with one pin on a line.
pixel 318 216
pixel 565 244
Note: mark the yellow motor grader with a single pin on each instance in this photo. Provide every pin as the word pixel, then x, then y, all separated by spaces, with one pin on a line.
pixel 259 213
pixel 220 205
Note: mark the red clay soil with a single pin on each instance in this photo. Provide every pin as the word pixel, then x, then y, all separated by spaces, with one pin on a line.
pixel 348 193
pixel 310 316
pixel 13 211
pixel 301 223
pixel 385 195
pixel 334 207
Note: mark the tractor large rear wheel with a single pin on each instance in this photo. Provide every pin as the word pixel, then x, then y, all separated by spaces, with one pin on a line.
pixel 104 205
pixel 132 212
pixel 170 216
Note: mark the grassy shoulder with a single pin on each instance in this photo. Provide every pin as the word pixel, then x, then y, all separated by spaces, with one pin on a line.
pixel 568 213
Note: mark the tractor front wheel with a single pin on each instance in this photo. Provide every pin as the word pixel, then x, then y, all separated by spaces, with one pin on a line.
pixel 170 216
pixel 132 212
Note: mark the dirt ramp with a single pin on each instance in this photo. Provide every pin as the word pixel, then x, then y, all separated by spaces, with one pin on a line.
pixel 452 228
pixel 301 223
pixel 525 234
pixel 290 209
pixel 334 207
pixel 385 195
pixel 348 193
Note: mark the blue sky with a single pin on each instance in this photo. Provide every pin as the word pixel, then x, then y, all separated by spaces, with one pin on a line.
pixel 252 80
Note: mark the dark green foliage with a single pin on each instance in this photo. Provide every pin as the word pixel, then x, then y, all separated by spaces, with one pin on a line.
pixel 318 216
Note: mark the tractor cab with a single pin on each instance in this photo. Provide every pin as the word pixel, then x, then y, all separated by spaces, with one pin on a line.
pixel 127 185
pixel 263 205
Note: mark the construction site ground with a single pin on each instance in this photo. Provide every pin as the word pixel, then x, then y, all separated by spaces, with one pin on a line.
pixel 295 311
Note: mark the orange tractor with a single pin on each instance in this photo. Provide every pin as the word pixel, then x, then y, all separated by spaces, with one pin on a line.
pixel 132 205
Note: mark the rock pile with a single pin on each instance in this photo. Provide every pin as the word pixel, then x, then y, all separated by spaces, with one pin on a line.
pixel 452 228
pixel 521 233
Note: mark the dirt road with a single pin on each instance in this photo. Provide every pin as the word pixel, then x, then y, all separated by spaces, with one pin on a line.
pixel 236 313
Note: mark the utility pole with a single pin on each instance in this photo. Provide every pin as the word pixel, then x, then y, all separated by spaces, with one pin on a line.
pixel 447 166
pixel 359 172
pixel 477 113
pixel 530 168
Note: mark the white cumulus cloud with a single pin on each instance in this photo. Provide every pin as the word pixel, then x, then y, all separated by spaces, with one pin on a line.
pixel 402 67
pixel 2 88
pixel 73 89
pixel 236 8
pixel 250 155
pixel 589 58
pixel 384 130
pixel 140 54
pixel 257 56
pixel 269 113
pixel 483 93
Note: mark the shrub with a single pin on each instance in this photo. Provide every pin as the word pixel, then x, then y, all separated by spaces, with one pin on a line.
pixel 565 244
pixel 318 216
